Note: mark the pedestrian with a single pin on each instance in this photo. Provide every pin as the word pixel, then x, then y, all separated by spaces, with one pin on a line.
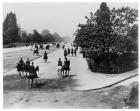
pixel 75 51
pixel 45 56
pixel 68 51
pixel 72 51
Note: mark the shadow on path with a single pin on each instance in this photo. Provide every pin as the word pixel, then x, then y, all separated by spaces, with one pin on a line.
pixel 14 82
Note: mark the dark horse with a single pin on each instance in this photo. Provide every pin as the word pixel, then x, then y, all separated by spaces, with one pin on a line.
pixel 20 68
pixel 65 70
pixel 33 75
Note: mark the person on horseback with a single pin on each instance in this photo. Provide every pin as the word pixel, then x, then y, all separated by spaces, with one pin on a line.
pixel 67 66
pixel 32 68
pixel 27 67
pixel 20 66
pixel 59 67
pixel 45 56
pixel 21 61
pixel 65 52
pixel 59 62
pixel 28 62
pixel 33 74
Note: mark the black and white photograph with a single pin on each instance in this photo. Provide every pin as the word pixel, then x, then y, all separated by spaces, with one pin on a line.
pixel 70 55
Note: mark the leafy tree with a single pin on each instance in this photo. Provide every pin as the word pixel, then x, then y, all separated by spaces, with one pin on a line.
pixel 107 34
pixel 10 29
pixel 37 37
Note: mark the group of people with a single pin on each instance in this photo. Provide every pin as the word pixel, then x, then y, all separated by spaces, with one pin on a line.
pixel 63 68
pixel 73 51
pixel 29 69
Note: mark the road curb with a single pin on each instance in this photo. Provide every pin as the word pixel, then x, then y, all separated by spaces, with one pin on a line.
pixel 110 84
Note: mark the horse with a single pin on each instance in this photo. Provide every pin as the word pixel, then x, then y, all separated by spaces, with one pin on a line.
pixel 63 71
pixel 20 68
pixel 59 71
pixel 33 75
pixel 26 68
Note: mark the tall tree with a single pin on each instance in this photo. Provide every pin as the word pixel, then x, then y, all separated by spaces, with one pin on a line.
pixel 10 29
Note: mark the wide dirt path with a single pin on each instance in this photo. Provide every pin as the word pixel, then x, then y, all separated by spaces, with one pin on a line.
pixel 84 78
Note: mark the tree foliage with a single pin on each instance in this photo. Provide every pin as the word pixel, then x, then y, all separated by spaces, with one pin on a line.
pixel 10 29
pixel 109 33
pixel 106 29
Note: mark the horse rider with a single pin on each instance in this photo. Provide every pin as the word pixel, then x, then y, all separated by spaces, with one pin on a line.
pixel 45 56
pixel 67 65
pixel 32 69
pixel 20 66
pixel 27 68
pixel 72 51
pixel 21 61
pixel 28 61
pixel 59 62
pixel 65 52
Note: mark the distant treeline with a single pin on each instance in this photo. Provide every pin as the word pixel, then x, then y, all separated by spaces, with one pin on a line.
pixel 12 33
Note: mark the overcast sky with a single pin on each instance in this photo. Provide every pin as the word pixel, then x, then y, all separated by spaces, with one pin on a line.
pixel 62 18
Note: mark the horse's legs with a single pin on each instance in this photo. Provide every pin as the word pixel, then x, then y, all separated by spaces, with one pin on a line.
pixel 36 81
pixel 62 73
pixel 58 72
pixel 68 72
